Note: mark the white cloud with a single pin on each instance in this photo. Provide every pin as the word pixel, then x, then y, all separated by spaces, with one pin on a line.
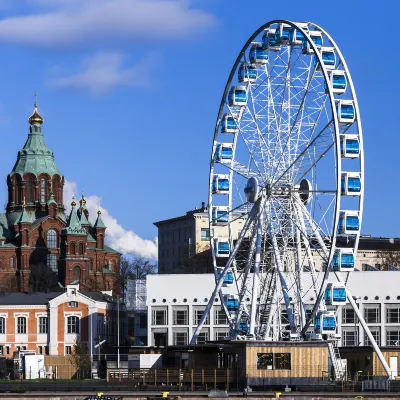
pixel 60 23
pixel 105 71
pixel 117 237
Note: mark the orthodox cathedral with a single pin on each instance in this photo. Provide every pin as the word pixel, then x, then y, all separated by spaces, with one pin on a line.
pixel 39 243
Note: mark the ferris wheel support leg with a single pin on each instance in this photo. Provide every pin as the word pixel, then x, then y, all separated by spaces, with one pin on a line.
pixel 252 215
pixel 299 281
pixel 256 274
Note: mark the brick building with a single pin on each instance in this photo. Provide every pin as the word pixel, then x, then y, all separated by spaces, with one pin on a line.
pixel 52 323
pixel 39 244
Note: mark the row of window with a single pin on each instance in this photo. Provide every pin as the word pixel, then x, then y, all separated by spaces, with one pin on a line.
pixel 180 337
pixel 176 236
pixel 43 325
pixel 180 316
pixel 29 192
pixel 372 314
pixel 350 337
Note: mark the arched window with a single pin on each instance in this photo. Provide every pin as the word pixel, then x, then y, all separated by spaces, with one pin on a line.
pixel 73 324
pixel 52 239
pixel 73 248
pixel 43 190
pixel 29 187
pixel 81 248
pixel 77 273
pixel 2 325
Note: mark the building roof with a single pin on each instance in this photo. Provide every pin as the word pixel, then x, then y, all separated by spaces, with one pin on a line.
pixel 189 214
pixel 99 221
pixel 74 226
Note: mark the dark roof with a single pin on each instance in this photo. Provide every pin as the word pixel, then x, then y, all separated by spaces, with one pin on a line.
pixel 27 299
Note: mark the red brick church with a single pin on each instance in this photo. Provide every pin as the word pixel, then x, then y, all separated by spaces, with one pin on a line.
pixel 41 246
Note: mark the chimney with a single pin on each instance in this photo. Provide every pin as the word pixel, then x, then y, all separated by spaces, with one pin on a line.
pixel 203 205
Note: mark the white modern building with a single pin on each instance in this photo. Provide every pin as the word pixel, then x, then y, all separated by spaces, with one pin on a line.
pixel 176 302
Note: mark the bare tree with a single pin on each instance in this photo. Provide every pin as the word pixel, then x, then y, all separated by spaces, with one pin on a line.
pixel 43 279
pixel 388 259
pixel 80 359
pixel 196 259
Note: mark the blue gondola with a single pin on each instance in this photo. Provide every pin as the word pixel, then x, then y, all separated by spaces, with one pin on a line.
pixel 243 328
pixel 237 96
pixel 232 302
pixel 338 82
pixel 349 223
pixel 228 279
pixel 247 73
pixel 296 37
pixel 346 112
pixel 220 184
pixel 222 247
pixel 224 152
pixel 258 54
pixel 351 184
pixel 228 124
pixel 220 215
pixel 283 33
pixel 349 146
pixel 328 58
pixel 316 37
pixel 343 260
pixel 269 41
pixel 325 322
pixel 335 294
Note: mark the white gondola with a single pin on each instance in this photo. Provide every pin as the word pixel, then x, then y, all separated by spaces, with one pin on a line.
pixel 316 37
pixel 283 33
pixel 228 124
pixel 222 247
pixel 349 146
pixel 335 294
pixel 237 96
pixel 343 260
pixel 232 302
pixel 325 323
pixel 346 111
pixel 220 215
pixel 269 41
pixel 224 153
pixel 220 184
pixel 247 73
pixel 349 223
pixel 351 184
pixel 258 54
pixel 338 82
pixel 328 56
pixel 296 37
pixel 228 278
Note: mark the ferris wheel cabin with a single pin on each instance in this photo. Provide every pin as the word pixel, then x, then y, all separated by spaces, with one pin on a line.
pixel 243 328
pixel 247 73
pixel 296 37
pixel 237 96
pixel 268 40
pixel 228 124
pixel 220 184
pixel 220 215
pixel 258 54
pixel 345 111
pixel 338 82
pixel 228 278
pixel 316 37
pixel 335 294
pixel 325 322
pixel 343 260
pixel 349 223
pixel 328 56
pixel 232 302
pixel 283 33
pixel 222 247
pixel 224 153
pixel 351 184
pixel 349 146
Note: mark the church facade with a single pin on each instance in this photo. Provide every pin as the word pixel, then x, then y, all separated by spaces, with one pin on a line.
pixel 40 246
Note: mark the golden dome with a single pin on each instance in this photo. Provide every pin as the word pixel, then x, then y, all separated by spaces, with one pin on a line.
pixel 73 202
pixel 98 212
pixel 35 118
pixel 82 201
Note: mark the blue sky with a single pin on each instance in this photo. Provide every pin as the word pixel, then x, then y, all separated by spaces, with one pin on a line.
pixel 130 89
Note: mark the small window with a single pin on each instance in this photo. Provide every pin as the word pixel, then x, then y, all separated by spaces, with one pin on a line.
pixel 68 350
pixel 2 325
pixel 73 324
pixel 73 304
pixel 72 248
pixel 205 234
pixel 43 325
pixel 81 248
pixel 276 361
pixel 40 350
pixel 52 239
pixel 77 273
pixel 43 190
pixel 12 262
pixel 21 325
pixel 8 350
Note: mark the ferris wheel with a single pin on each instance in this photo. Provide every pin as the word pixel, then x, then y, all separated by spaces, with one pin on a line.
pixel 286 187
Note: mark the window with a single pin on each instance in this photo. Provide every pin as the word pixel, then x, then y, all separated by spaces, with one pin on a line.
pixel 46 350
pixel 77 273
pixel 376 333
pixel 68 350
pixel 43 325
pixel 73 324
pixel 221 335
pixel 51 239
pixel 220 317
pixel 393 337
pixel 350 338
pixel 72 248
pixel 205 234
pixel 40 350
pixel 2 325
pixel 393 314
pixel 276 361
pixel 29 185
pixel 43 190
pixel 197 314
pixel 372 314
pixel 8 350
pixel 73 304
pixel 21 325
pixel 52 262
pixel 159 317
pixel 12 262
pixel 81 248
pixel 180 316
pixel 349 316
pixel 204 336
pixel 180 338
